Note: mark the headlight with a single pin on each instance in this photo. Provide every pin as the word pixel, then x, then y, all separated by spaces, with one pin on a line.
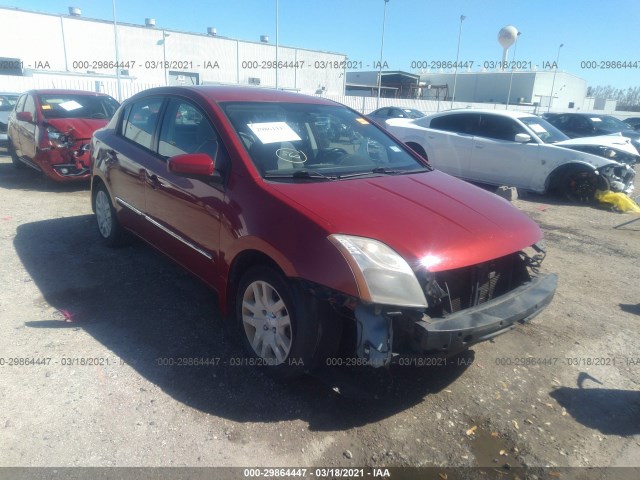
pixel 383 276
pixel 58 139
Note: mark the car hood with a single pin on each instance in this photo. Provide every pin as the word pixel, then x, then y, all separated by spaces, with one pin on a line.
pixel 80 128
pixel 616 141
pixel 431 218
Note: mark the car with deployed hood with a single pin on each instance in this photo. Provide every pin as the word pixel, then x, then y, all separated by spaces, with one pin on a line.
pixel 50 130
pixel 317 247
pixel 502 147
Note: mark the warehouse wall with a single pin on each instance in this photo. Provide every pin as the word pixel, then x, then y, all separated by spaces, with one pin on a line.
pixel 84 46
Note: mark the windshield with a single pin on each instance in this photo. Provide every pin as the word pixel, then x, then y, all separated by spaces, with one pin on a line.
pixel 303 140
pixel 610 124
pixel 544 130
pixel 412 113
pixel 78 106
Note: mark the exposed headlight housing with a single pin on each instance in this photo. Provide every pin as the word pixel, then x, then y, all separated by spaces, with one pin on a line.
pixel 58 139
pixel 383 276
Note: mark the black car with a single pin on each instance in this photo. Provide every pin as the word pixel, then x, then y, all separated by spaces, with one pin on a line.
pixel 634 122
pixel 576 125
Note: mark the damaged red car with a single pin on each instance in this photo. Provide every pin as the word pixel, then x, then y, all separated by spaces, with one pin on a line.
pixel 50 130
pixel 318 247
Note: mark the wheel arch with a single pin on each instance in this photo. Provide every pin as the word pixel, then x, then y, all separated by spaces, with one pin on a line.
pixel 95 183
pixel 556 174
pixel 241 263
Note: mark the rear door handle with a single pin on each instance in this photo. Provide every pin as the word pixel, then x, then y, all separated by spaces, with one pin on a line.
pixel 154 181
pixel 112 157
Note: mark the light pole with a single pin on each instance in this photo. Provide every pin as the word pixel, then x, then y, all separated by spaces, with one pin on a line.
pixel 115 34
pixel 515 47
pixel 455 74
pixel 384 21
pixel 164 55
pixel 553 83
pixel 277 40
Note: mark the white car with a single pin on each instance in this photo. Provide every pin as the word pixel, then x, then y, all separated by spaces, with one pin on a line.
pixel 520 150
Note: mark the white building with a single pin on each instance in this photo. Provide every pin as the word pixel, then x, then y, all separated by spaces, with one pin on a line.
pixel 60 50
pixel 566 92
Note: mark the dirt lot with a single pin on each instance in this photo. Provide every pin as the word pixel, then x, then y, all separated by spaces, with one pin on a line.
pixel 563 390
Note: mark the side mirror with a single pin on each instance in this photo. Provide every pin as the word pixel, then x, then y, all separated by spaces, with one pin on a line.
pixel 24 117
pixel 522 138
pixel 193 165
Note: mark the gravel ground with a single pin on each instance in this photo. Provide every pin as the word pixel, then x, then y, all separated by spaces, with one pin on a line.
pixel 563 390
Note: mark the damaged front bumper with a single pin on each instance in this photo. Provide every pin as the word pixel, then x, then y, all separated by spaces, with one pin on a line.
pixel 454 333
pixel 618 178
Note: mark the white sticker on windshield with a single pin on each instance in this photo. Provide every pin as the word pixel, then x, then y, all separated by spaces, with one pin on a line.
pixel 596 119
pixel 537 128
pixel 394 148
pixel 272 132
pixel 70 105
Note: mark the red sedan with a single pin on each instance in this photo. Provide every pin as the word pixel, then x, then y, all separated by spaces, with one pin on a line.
pixel 313 241
pixel 50 130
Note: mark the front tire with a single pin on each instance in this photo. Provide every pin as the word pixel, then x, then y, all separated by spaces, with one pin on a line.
pixel 109 228
pixel 579 185
pixel 14 156
pixel 278 322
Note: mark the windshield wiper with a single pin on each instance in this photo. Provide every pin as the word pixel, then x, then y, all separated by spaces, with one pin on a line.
pixel 385 171
pixel 312 174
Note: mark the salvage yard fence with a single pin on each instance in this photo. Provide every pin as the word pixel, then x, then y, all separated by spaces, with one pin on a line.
pixel 363 105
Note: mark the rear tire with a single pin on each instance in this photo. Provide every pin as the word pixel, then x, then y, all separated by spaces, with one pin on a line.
pixel 278 322
pixel 109 228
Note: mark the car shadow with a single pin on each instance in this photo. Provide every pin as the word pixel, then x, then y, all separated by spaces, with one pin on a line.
pixel 27 178
pixel 610 411
pixel 150 314
pixel 629 308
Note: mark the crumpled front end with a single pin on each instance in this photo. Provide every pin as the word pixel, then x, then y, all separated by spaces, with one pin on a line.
pixel 465 306
pixel 617 177
pixel 63 157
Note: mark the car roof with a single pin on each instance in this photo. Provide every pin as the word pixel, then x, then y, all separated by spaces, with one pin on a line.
pixel 219 93
pixel 62 91
pixel 504 113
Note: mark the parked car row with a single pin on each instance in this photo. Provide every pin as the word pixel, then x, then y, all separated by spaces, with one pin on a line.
pixel 320 232
pixel 502 147
pixel 576 125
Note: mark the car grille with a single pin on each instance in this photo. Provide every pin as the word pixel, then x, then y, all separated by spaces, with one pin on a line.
pixel 455 290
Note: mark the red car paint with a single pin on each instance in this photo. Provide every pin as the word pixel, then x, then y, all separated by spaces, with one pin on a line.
pixel 317 229
pixel 418 215
pixel 30 143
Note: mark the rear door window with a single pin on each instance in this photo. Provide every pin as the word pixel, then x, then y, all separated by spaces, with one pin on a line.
pixel 466 123
pixel 140 125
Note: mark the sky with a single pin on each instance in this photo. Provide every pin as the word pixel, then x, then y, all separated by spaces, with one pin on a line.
pixel 594 33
